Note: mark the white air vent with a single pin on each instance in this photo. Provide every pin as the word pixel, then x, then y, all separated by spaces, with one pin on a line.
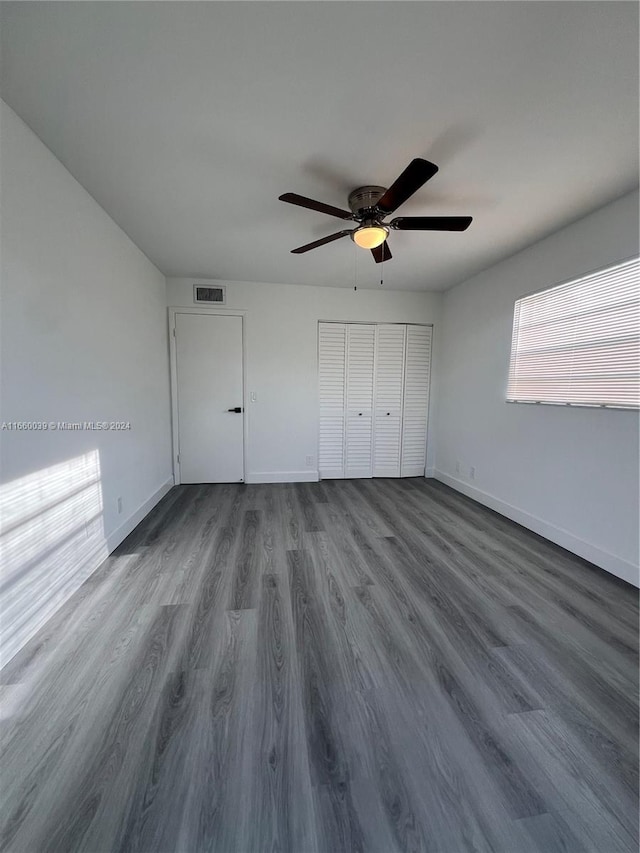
pixel 204 293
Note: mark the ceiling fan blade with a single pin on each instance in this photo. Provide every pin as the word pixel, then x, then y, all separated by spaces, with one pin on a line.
pixel 431 223
pixel 414 176
pixel 311 204
pixel 382 253
pixel 317 243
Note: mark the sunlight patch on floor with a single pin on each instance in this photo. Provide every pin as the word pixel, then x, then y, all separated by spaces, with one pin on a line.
pixel 51 539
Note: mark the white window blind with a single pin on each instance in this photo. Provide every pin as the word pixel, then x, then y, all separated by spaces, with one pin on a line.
pixel 579 343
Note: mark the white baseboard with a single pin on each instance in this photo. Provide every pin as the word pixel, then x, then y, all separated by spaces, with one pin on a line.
pixel 282 477
pixel 609 562
pixel 119 535
pixel 430 472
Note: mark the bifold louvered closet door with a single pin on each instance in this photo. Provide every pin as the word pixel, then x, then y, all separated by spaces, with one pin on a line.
pixel 415 406
pixel 374 396
pixel 389 384
pixel 359 400
pixel 332 362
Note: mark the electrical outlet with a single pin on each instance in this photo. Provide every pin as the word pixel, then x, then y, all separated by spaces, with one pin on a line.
pixel 472 472
pixel 309 461
pixel 458 467
pixel 119 504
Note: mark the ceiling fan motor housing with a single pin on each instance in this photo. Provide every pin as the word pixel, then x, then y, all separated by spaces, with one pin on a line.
pixel 363 200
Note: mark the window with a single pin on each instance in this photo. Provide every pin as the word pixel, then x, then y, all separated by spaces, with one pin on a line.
pixel 579 343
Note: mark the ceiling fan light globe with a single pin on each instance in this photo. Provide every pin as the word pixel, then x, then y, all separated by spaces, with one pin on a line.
pixel 370 236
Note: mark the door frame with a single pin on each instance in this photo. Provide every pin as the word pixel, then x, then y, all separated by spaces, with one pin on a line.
pixel 173 370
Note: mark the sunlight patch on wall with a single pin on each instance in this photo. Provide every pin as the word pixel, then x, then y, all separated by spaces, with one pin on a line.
pixel 51 539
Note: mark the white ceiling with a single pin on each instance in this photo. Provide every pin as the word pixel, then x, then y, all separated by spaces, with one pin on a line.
pixel 186 121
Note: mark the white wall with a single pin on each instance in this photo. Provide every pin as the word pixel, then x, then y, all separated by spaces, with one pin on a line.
pixel 83 339
pixel 281 340
pixel 570 474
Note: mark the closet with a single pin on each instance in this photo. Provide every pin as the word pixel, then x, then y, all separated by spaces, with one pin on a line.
pixel 374 399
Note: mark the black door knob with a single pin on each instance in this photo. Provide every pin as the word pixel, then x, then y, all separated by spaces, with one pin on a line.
pixel 237 410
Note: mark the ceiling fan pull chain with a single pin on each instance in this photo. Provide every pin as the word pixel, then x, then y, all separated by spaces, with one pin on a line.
pixel 355 268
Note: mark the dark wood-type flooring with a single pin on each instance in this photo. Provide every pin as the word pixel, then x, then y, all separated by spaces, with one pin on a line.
pixel 359 666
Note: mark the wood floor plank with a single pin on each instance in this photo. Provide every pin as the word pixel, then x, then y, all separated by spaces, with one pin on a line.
pixel 367 665
pixel 246 571
pixel 278 794
pixel 217 812
pixel 86 767
pixel 575 702
pixel 339 825
pixel 440 760
pixel 557 764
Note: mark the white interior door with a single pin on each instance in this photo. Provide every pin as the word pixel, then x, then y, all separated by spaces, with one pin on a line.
pixel 388 393
pixel 416 401
pixel 210 398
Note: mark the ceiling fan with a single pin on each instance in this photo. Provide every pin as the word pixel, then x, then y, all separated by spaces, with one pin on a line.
pixel 368 207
